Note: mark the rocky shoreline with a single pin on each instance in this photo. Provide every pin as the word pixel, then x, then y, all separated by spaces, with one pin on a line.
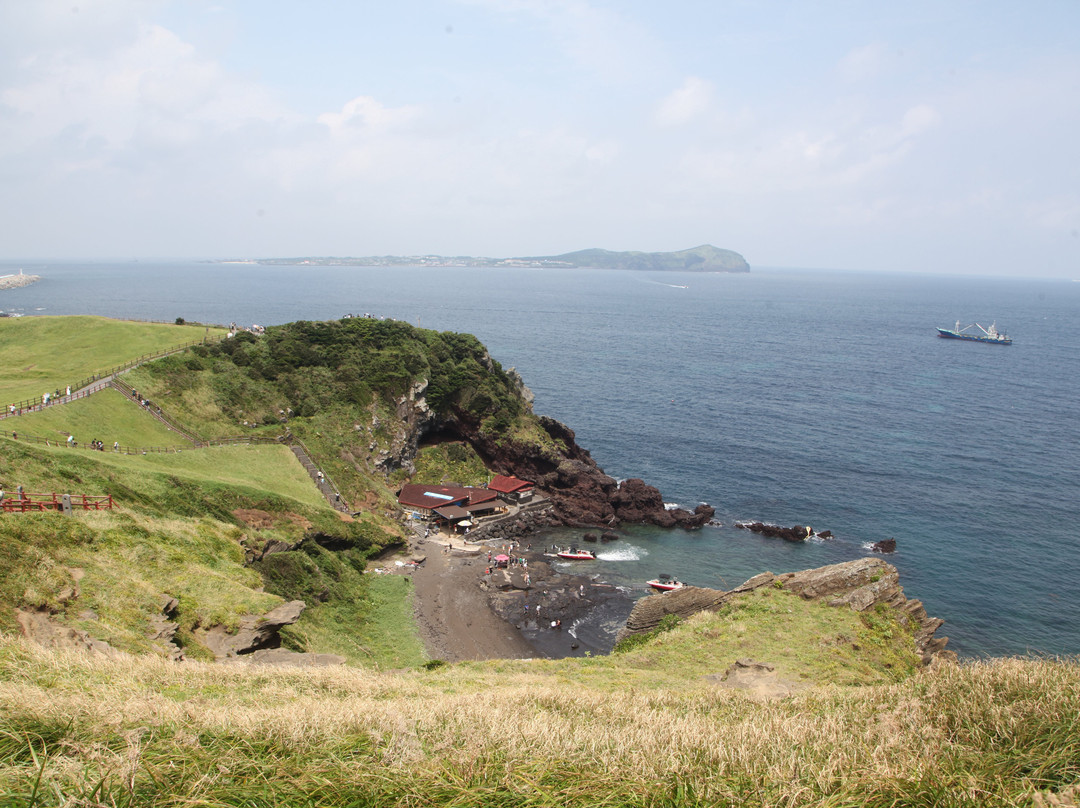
pixel 581 493
pixel 16 281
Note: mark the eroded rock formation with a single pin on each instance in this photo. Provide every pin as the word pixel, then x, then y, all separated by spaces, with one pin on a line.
pixel 255 632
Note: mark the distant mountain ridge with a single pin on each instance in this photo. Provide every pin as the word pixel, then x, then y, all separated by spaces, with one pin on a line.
pixel 705 258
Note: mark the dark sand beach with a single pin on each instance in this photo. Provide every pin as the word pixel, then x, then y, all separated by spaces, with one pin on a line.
pixel 452 611
pixel 465 612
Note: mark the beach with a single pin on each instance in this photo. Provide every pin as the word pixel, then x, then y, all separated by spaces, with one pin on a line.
pixel 464 612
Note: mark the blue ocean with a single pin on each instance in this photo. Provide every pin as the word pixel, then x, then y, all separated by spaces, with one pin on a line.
pixel 794 397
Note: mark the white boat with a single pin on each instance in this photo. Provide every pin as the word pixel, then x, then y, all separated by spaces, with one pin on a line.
pixel 666 584
pixel 574 554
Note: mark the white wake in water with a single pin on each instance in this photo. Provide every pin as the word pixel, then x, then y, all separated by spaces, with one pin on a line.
pixel 623 554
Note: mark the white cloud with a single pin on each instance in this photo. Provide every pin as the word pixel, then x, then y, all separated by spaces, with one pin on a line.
pixel 154 87
pixel 366 115
pixel 919 120
pixel 863 63
pixel 602 40
pixel 687 103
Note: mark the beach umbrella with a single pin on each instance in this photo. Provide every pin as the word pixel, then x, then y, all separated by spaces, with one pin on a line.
pixel 502 557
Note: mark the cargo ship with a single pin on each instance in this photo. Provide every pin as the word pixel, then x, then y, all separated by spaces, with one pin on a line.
pixel 990 334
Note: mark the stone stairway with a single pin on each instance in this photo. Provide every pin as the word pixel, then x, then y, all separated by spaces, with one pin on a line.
pixel 322 482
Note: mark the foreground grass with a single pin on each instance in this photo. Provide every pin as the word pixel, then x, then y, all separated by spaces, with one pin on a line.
pixel 84 731
pixel 40 354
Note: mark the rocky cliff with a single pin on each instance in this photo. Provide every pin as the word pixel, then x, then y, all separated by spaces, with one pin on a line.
pixel 582 494
pixel 860 585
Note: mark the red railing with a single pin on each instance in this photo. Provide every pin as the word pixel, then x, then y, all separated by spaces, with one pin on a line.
pixel 55 502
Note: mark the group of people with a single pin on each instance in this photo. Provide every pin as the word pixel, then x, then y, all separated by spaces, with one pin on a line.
pixel 46 399
pixel 94 444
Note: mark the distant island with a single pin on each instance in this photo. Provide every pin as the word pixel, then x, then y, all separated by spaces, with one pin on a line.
pixel 705 258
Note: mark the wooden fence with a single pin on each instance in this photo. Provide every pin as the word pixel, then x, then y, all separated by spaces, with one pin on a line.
pixel 55 502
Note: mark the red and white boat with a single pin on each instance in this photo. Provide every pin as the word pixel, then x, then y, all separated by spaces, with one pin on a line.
pixel 574 554
pixel 666 585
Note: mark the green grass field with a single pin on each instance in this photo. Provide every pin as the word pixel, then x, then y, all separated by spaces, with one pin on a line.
pixel 43 354
pixel 263 470
pixel 107 416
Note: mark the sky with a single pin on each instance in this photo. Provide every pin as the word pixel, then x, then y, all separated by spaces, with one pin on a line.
pixel 938 136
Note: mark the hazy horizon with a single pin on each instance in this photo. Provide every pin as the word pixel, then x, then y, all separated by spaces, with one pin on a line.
pixel 935 138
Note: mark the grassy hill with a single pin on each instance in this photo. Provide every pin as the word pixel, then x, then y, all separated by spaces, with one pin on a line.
pixel 80 730
pixel 649 725
pixel 106 416
pixel 43 354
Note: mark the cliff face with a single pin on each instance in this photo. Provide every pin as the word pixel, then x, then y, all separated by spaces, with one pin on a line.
pixel 581 492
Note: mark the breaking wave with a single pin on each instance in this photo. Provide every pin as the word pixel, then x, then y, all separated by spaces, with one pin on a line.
pixel 623 554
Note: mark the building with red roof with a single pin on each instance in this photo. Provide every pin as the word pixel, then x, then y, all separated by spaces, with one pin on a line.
pixel 511 487
pixel 424 500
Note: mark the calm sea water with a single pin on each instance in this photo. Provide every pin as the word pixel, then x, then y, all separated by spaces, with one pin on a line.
pixel 819 398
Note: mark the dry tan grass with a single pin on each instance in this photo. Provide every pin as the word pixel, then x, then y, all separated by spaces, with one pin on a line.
pixel 436 725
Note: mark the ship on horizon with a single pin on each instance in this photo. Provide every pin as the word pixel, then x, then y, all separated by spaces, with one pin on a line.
pixel 990 334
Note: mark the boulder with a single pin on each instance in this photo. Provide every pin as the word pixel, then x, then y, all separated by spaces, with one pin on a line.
pixel 884 546
pixel 702 515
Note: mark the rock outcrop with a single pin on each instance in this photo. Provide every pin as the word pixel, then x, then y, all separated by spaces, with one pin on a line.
pixel 860 585
pixel 163 628
pixel 796 533
pixel 254 633
pixel 43 629
pixel 282 658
